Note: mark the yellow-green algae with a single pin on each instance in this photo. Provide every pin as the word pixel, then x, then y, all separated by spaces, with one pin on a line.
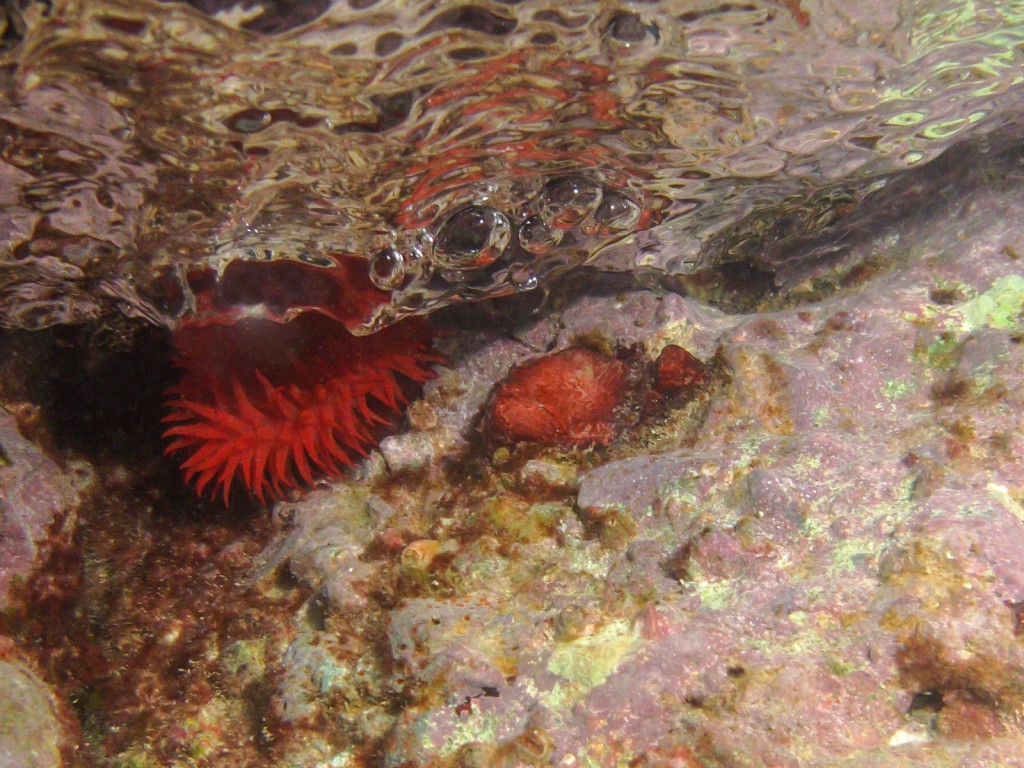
pixel 1000 307
pixel 714 595
pixel 894 389
pixel 583 664
pixel 589 661
pixel 586 662
pixel 1002 494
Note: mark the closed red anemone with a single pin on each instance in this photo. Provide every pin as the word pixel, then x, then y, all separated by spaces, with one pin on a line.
pixel 271 405
pixel 675 371
pixel 569 399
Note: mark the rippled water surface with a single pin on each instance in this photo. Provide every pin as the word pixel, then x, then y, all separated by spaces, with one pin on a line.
pixel 156 156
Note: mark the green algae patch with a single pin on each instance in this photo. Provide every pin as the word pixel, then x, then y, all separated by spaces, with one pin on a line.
pixel 942 353
pixel 893 389
pixel 244 660
pixel 589 558
pixel 714 595
pixel 1001 306
pixel 479 729
pixel 589 661
pixel 512 519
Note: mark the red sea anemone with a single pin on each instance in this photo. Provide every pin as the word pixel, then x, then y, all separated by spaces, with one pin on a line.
pixel 273 404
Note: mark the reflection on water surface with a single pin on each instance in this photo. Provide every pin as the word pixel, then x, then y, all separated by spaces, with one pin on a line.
pixel 466 149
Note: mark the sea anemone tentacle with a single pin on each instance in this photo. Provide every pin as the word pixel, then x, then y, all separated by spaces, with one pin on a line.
pixel 305 400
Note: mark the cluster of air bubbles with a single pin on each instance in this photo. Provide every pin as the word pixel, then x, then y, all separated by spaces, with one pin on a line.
pixel 478 250
pixel 573 203
pixel 565 202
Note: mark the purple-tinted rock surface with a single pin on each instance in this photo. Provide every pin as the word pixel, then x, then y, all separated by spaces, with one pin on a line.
pixel 824 567
pixel 35 496
pixel 34 731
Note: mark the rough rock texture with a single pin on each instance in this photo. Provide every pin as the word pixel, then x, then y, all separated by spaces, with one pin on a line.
pixel 812 558
pixel 33 732
pixel 35 495
pixel 824 566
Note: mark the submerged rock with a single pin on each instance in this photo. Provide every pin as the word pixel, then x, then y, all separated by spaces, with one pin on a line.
pixel 36 497
pixel 35 732
pixel 823 568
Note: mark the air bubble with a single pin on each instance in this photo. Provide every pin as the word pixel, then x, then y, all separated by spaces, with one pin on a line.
pixel 626 28
pixel 523 278
pixel 536 237
pixel 307 257
pixel 626 34
pixel 566 201
pixel 616 213
pixel 473 237
pixel 251 121
pixel 387 269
